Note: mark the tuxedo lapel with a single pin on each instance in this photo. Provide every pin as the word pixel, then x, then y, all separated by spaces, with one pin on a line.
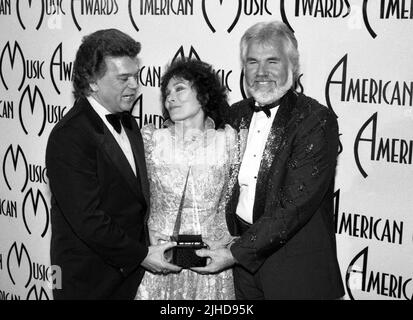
pixel 243 114
pixel 115 153
pixel 136 142
pixel 275 142
pixel 111 147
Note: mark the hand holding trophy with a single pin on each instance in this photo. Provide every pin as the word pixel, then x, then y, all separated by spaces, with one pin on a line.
pixel 183 254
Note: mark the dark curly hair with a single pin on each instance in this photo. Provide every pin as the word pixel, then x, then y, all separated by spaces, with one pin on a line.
pixel 211 94
pixel 90 63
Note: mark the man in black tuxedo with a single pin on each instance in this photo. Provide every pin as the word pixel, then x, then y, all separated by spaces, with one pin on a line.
pixel 98 179
pixel 282 205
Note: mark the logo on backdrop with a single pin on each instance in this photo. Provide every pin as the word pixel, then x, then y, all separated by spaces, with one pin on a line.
pixel 381 149
pixel 366 90
pixel 209 10
pixel 388 10
pixel 8 208
pixel 244 7
pixel 158 8
pixel 361 281
pixel 5 7
pixel 180 54
pixel 23 270
pixel 17 171
pixel 28 69
pixel 92 8
pixel 366 227
pixel 145 118
pixel 4 295
pixel 34 113
pixel 28 5
pixel 14 65
pixel 15 167
pixel 60 70
pixel 35 212
pixel 6 109
pixel 37 294
pixel 222 74
pixel 26 8
pixel 34 98
pixel 12 62
pixel 19 264
pixel 150 76
pixel 37 174
pixel 330 9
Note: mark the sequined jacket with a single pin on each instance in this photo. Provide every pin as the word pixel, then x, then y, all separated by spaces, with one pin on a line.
pixel 293 213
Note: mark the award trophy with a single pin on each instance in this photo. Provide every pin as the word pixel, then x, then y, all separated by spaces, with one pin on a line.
pixel 183 254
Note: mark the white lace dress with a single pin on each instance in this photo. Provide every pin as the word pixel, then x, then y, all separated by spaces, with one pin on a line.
pixel 210 155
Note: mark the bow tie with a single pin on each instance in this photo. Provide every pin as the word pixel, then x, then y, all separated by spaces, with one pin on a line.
pixel 115 119
pixel 265 108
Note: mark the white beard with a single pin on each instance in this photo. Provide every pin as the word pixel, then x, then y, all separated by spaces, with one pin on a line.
pixel 264 97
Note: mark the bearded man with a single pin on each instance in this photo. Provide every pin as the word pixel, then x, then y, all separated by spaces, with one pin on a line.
pixel 282 206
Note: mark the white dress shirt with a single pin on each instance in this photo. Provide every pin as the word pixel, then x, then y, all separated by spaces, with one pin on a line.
pixel 121 138
pixel 247 178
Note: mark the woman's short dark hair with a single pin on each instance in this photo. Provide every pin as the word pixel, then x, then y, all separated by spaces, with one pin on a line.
pixel 211 94
pixel 90 62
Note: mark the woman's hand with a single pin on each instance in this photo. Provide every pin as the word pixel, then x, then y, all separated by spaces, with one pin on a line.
pixel 156 237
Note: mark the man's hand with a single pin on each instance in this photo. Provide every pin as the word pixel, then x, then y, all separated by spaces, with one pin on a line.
pixel 220 259
pixel 220 243
pixel 155 259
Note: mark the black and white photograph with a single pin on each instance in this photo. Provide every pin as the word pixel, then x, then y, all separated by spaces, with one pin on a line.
pixel 200 151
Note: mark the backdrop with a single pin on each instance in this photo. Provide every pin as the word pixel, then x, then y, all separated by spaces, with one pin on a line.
pixel 355 59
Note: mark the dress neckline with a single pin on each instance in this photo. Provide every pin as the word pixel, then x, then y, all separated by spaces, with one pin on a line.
pixel 192 134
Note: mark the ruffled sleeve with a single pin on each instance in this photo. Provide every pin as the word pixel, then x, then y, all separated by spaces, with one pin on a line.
pixel 147 136
pixel 234 147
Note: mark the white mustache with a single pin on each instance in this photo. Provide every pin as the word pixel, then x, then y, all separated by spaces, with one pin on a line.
pixel 263 80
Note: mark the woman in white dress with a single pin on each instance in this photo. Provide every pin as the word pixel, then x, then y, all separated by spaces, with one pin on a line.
pixel 194 140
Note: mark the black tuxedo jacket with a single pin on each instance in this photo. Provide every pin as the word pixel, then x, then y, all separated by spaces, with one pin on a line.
pixel 99 207
pixel 292 239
